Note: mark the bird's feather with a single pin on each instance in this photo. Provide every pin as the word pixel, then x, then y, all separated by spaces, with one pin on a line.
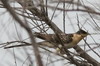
pixel 65 38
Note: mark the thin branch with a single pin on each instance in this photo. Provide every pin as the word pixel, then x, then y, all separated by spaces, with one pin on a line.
pixel 73 10
pixel 26 27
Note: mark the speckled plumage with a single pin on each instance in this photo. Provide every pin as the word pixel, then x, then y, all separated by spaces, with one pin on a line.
pixel 65 38
pixel 69 40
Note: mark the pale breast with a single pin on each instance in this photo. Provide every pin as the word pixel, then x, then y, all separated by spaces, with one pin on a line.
pixel 76 39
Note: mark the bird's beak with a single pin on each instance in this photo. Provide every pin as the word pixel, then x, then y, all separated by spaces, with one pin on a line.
pixel 84 35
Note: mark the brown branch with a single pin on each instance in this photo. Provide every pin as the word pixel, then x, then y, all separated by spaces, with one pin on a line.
pixel 45 18
pixel 38 13
pixel 42 16
pixel 73 10
pixel 26 27
pixel 41 45
pixel 75 3
pixel 23 43
pixel 84 55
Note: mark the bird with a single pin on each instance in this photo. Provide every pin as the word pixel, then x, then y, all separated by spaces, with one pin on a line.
pixel 68 40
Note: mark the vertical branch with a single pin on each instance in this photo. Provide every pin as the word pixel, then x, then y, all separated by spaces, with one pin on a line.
pixel 64 16
pixel 26 27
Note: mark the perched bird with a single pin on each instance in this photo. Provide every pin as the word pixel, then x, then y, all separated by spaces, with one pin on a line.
pixel 68 40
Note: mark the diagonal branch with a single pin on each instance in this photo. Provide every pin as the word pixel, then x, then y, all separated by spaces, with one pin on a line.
pixel 26 27
pixel 46 19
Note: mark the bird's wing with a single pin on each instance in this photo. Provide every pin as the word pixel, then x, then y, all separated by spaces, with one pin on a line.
pixel 65 38
pixel 69 38
pixel 47 37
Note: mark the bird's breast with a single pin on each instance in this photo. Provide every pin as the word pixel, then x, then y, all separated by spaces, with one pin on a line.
pixel 75 40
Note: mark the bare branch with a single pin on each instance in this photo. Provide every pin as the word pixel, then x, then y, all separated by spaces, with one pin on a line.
pixel 26 27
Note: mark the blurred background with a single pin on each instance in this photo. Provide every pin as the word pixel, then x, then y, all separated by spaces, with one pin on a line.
pixel 49 17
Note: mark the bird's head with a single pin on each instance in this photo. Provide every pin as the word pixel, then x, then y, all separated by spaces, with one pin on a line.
pixel 82 33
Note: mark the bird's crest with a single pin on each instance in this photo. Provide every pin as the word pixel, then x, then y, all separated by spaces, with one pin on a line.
pixel 81 32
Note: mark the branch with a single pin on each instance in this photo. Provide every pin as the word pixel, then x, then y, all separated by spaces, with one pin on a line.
pixel 26 27
pixel 73 10
pixel 84 55
pixel 45 18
